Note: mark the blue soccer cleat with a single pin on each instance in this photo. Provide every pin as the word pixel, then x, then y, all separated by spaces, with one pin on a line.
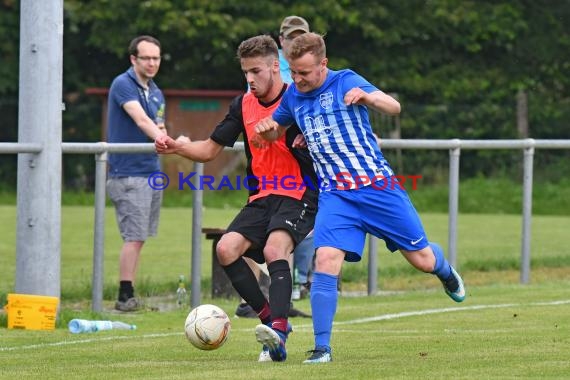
pixel 273 341
pixel 454 287
pixel 319 355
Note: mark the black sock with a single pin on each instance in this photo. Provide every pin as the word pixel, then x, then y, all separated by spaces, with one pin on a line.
pixel 126 290
pixel 280 288
pixel 245 283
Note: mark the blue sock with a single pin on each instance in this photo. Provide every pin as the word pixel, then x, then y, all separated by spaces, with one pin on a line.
pixel 442 268
pixel 324 297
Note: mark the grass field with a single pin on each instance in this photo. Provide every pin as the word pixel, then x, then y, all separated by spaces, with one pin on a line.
pixel 506 332
pixel 410 330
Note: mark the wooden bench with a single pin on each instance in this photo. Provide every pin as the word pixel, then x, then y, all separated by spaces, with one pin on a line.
pixel 221 284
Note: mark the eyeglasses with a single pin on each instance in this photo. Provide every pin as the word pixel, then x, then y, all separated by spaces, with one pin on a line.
pixel 148 59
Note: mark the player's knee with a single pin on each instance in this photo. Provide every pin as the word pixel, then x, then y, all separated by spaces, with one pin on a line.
pixel 226 253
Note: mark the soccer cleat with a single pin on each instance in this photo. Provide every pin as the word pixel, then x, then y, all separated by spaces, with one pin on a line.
pixel 264 355
pixel 274 340
pixel 319 355
pixel 454 281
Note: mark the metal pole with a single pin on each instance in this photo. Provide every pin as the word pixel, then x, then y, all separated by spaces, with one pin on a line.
pixel 196 262
pixel 99 232
pixel 372 265
pixel 38 241
pixel 527 214
pixel 454 155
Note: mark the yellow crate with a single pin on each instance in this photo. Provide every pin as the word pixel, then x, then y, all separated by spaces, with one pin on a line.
pixel 31 312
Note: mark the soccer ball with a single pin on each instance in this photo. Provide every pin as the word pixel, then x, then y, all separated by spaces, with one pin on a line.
pixel 207 327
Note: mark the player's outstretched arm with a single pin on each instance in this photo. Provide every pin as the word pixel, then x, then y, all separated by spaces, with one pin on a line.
pixel 377 100
pixel 200 151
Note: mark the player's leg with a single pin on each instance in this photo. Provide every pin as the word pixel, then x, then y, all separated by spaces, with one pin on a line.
pixel 276 252
pixel 230 251
pixel 393 218
pixel 303 260
pixel 431 259
pixel 337 236
pixel 324 299
pixel 244 310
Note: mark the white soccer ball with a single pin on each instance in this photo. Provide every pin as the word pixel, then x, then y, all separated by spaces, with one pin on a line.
pixel 207 327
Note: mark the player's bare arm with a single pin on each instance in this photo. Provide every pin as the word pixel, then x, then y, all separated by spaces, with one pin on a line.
pixel 199 151
pixel 145 123
pixel 377 100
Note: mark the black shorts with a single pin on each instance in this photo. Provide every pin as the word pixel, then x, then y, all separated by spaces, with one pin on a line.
pixel 275 212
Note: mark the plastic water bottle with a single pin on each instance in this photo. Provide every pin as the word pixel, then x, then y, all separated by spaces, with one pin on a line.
pixel 77 326
pixel 296 294
pixel 181 291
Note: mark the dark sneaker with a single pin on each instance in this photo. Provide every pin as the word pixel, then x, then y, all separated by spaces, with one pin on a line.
pixel 454 287
pixel 245 311
pixel 132 304
pixel 297 313
pixel 273 340
pixel 319 355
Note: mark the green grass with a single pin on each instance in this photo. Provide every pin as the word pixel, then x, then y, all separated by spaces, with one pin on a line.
pixel 509 331
pixel 505 330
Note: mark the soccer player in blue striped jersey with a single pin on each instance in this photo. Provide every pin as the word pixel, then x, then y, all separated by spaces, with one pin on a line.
pixel 357 193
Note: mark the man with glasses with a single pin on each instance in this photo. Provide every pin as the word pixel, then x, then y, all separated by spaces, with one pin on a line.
pixel 357 193
pixel 135 115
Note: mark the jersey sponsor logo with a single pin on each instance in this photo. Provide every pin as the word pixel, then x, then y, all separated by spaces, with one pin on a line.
pixel 326 100
pixel 316 129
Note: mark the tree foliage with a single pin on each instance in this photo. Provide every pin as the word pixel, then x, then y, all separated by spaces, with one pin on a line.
pixel 456 65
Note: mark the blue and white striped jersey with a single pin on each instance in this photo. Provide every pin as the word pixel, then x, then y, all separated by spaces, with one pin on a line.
pixel 339 137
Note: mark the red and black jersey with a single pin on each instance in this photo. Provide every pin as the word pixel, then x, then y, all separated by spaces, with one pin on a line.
pixel 277 168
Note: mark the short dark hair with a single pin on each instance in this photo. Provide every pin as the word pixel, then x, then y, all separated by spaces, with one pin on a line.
pixel 134 45
pixel 258 46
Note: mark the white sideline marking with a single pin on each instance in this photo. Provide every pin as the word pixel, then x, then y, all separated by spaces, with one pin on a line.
pixel 384 317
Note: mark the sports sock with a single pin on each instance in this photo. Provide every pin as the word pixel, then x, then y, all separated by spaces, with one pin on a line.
pixel 126 290
pixel 245 283
pixel 441 269
pixel 265 314
pixel 280 292
pixel 324 297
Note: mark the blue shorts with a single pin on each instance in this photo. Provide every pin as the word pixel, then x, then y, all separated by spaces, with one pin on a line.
pixel 345 217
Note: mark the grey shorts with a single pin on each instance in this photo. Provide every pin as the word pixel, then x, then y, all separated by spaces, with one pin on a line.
pixel 137 207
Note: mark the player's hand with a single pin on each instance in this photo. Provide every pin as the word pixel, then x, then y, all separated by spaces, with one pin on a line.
pixel 258 142
pixel 355 96
pixel 164 144
pixel 299 141
pixel 266 125
pixel 183 139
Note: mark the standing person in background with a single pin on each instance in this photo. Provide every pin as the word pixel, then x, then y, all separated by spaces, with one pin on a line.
pixel 357 192
pixel 135 115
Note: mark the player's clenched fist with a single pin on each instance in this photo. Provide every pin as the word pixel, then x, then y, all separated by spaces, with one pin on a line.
pixel 266 125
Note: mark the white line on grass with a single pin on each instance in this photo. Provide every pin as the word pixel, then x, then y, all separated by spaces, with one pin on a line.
pixel 383 317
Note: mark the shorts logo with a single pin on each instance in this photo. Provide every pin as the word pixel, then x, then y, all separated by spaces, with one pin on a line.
pixel 414 242
pixel 326 100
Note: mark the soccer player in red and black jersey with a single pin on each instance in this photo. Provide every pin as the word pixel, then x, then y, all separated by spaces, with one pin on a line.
pixel 283 193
